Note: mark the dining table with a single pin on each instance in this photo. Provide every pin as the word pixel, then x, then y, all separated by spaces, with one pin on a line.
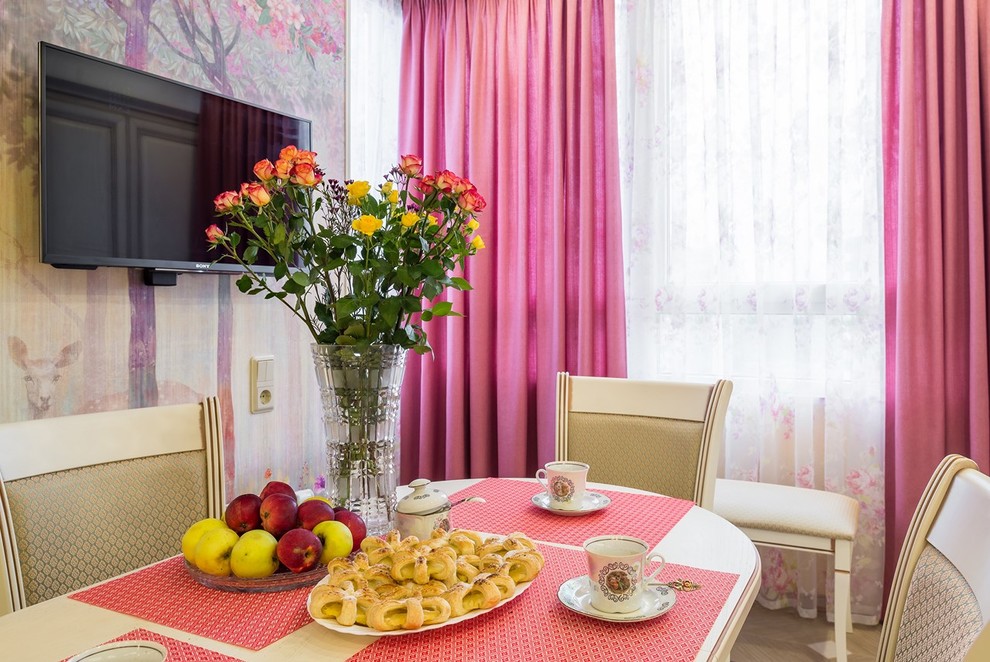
pixel 703 553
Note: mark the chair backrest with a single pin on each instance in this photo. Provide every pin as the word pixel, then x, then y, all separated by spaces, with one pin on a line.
pixel 659 436
pixel 87 497
pixel 940 598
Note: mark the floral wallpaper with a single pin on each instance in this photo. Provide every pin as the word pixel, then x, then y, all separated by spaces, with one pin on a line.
pixel 81 341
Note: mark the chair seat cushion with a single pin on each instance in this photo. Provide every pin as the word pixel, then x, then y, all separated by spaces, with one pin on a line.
pixel 786 509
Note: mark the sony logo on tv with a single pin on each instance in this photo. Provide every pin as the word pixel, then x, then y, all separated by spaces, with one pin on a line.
pixel 203 265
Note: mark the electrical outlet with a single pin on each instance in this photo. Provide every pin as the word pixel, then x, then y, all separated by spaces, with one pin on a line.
pixel 262 388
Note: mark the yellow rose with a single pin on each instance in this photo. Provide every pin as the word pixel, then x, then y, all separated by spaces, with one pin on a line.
pixel 393 197
pixel 432 219
pixel 387 188
pixel 367 224
pixel 477 243
pixel 472 225
pixel 409 219
pixel 356 191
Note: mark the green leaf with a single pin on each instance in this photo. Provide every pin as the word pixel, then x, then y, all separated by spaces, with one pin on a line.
pixel 390 309
pixel 460 284
pixel 427 315
pixel 442 308
pixel 244 283
pixel 301 278
pixel 250 254
pixel 346 306
pixel 433 268
pixel 281 271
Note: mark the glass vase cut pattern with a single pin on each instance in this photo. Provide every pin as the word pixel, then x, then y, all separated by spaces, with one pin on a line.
pixel 360 390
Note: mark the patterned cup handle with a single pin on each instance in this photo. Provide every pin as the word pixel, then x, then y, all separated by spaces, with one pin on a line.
pixel 651 579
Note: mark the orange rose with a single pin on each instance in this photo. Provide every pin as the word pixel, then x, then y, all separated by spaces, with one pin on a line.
pixel 264 170
pixel 226 201
pixel 214 233
pixel 257 193
pixel 305 174
pixel 288 153
pixel 283 168
pixel 446 180
pixel 470 200
pixel 410 165
pixel 427 185
pixel 305 156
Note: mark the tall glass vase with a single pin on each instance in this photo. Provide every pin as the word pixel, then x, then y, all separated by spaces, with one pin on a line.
pixel 360 390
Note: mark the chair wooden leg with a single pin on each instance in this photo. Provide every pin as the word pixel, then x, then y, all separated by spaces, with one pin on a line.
pixel 841 608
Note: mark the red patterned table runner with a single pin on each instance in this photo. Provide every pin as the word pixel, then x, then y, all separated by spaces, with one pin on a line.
pixel 177 651
pixel 536 626
pixel 509 508
pixel 164 593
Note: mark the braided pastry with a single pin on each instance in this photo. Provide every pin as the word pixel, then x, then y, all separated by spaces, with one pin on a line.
pixel 351 576
pixel 395 583
pixel 517 541
pixel 430 589
pixel 524 565
pixel 378 575
pixel 420 566
pixel 347 605
pixel 468 567
pixel 380 549
pixel 503 580
pixel 408 613
pixel 464 542
pixel 481 593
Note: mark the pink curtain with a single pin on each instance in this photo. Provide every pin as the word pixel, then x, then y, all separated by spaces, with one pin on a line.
pixel 520 98
pixel 936 125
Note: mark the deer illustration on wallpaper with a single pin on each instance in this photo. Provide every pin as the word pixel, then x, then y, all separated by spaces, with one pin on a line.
pixel 41 375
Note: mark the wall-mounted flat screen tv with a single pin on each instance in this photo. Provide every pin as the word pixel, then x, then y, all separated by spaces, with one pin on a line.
pixel 131 162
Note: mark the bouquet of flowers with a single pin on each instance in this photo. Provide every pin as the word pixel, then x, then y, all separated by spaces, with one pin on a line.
pixel 358 265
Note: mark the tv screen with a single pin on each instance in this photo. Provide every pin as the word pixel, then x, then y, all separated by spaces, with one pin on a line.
pixel 131 162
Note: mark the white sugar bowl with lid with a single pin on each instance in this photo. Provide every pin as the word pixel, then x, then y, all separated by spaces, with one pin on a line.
pixel 422 511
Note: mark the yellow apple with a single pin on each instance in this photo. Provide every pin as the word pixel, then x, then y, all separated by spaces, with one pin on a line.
pixel 194 533
pixel 336 538
pixel 213 551
pixel 319 498
pixel 254 555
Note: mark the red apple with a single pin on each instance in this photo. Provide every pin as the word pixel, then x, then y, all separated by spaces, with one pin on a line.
pixel 354 523
pixel 313 512
pixel 243 513
pixel 277 487
pixel 299 550
pixel 278 514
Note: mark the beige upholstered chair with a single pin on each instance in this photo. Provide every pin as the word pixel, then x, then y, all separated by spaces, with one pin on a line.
pixel 87 497
pixel 940 597
pixel 800 519
pixel 659 436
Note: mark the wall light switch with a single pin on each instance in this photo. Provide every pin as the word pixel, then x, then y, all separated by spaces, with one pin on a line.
pixel 262 388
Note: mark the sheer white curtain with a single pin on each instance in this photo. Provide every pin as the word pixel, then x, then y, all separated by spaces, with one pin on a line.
pixel 750 154
pixel 374 47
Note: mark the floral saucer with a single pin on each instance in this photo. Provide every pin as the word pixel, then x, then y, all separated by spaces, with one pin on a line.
pixel 592 502
pixel 575 594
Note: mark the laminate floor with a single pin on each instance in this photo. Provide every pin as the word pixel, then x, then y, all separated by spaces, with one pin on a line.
pixel 781 635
